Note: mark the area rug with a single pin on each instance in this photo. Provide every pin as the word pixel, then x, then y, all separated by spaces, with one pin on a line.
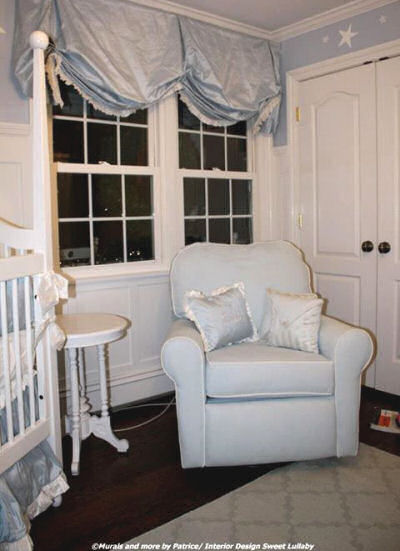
pixel 348 504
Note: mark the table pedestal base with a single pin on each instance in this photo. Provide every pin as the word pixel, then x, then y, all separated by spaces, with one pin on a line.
pixel 81 424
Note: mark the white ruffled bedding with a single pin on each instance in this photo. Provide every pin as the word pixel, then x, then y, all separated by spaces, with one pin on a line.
pixel 13 366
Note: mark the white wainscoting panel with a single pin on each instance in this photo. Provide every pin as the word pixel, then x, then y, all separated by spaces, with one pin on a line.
pixel 15 174
pixel 134 362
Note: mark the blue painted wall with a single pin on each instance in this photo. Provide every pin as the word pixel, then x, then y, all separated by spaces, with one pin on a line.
pixel 13 106
pixel 310 47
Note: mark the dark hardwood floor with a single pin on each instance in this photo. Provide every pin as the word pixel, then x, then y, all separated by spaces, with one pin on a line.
pixel 117 497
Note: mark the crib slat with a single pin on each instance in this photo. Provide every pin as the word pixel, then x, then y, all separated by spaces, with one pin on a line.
pixel 17 351
pixel 6 361
pixel 40 357
pixel 29 347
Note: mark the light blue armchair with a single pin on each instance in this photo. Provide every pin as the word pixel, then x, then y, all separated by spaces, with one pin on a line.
pixel 252 403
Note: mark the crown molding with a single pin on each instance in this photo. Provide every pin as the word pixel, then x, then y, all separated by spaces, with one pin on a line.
pixel 312 23
pixel 329 17
pixel 206 17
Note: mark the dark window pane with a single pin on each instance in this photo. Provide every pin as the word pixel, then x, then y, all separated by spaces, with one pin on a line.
pixel 186 119
pixel 93 113
pixel 189 150
pixel 195 230
pixel 68 141
pixel 237 154
pixel 102 143
pixel 242 230
pixel 239 129
pixel 73 102
pixel 214 152
pixel 219 230
pixel 133 146
pixel 140 117
pixel 241 197
pixel 74 243
pixel 214 129
pixel 106 195
pixel 73 199
pixel 194 196
pixel 108 242
pixel 218 196
pixel 138 196
pixel 139 240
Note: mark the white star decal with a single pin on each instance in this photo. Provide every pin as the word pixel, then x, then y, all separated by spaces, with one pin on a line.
pixel 347 36
pixel 382 19
pixel 325 39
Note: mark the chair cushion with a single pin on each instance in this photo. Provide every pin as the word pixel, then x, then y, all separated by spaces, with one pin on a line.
pixel 258 370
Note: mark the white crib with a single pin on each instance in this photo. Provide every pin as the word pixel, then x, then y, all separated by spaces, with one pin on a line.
pixel 26 253
pixel 29 398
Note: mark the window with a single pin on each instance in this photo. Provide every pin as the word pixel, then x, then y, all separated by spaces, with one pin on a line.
pixel 114 173
pixel 217 183
pixel 105 184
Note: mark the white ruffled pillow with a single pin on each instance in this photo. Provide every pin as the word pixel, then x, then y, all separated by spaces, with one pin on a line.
pixel 293 320
pixel 222 317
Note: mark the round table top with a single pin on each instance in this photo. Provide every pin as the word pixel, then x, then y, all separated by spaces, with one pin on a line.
pixel 84 330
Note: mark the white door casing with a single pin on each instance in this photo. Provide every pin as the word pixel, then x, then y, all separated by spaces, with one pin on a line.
pixel 388 303
pixel 336 141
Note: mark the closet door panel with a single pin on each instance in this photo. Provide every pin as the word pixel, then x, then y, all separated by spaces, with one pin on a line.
pixel 336 184
pixel 336 175
pixel 388 312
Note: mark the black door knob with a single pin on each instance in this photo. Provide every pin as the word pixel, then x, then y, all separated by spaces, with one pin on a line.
pixel 384 247
pixel 367 246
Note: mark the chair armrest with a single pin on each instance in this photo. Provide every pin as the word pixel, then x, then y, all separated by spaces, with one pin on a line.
pixel 351 350
pixel 348 346
pixel 183 360
pixel 182 351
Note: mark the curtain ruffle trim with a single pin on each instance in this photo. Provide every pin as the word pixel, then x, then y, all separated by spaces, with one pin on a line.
pixel 54 70
pixel 266 112
pixel 24 544
pixel 262 116
pixel 47 495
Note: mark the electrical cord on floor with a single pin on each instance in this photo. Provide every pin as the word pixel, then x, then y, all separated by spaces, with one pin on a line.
pixel 133 427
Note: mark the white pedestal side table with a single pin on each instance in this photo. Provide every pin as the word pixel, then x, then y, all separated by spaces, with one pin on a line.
pixel 83 330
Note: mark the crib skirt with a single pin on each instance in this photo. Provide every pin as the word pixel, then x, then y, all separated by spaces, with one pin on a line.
pixel 28 487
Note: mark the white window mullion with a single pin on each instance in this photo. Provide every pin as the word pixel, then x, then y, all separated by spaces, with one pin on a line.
pixel 206 206
pixel 201 148
pixel 124 238
pixel 230 211
pixel 85 133
pixel 118 141
pixel 91 220
pixel 225 150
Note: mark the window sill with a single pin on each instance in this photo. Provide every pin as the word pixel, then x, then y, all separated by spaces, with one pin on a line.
pixel 94 274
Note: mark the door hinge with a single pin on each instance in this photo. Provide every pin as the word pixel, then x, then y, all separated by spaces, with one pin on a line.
pixel 300 221
pixel 297 114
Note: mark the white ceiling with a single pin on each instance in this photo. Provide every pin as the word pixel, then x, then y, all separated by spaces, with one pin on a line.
pixel 265 14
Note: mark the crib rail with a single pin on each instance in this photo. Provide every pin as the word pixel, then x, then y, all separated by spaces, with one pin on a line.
pixel 20 266
pixel 16 237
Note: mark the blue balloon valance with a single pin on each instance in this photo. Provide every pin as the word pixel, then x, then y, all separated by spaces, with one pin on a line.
pixel 123 56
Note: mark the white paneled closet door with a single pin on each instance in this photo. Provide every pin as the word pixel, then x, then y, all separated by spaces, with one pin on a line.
pixel 388 312
pixel 336 169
